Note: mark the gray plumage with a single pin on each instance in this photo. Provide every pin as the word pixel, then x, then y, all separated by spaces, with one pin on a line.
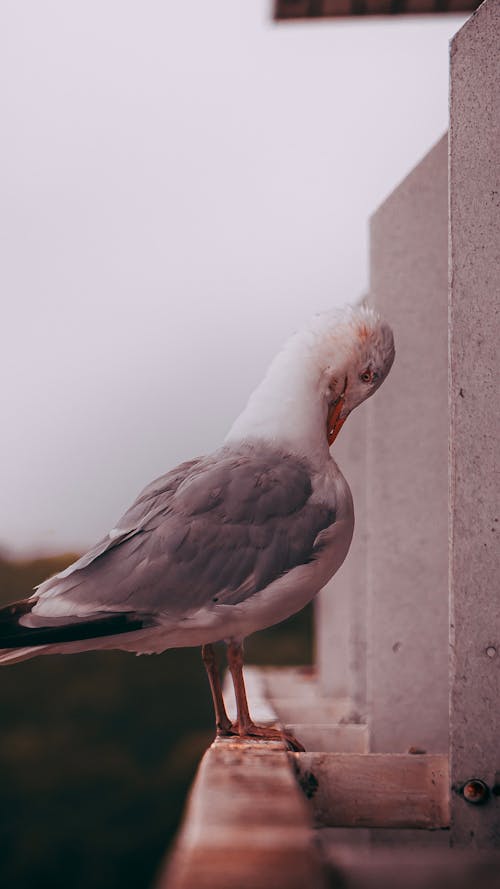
pixel 214 530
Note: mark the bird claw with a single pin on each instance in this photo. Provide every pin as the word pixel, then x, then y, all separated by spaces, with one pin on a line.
pixel 267 733
pixel 226 731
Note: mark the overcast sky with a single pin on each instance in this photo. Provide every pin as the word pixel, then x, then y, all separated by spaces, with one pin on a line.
pixel 183 184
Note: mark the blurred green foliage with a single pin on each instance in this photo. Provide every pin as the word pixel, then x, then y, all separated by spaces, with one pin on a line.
pixel 97 751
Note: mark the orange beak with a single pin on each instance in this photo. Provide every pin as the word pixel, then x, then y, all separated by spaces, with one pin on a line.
pixel 334 421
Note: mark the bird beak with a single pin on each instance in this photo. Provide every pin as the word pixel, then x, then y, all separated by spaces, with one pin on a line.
pixel 334 421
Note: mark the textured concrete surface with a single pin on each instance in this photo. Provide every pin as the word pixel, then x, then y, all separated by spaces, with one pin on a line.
pixel 247 824
pixel 475 422
pixel 406 472
pixel 379 790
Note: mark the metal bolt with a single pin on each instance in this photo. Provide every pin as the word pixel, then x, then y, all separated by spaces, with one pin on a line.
pixel 491 651
pixel 475 791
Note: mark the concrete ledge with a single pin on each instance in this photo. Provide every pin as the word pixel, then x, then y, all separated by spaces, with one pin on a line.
pixel 291 696
pixel 247 824
pixel 330 738
pixel 390 790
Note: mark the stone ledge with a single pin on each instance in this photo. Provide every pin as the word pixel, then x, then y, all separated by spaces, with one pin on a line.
pixel 246 825
pixel 389 790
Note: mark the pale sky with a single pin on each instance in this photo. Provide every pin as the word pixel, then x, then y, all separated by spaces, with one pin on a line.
pixel 182 185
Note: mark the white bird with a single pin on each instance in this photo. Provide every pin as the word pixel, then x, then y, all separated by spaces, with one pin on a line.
pixel 230 543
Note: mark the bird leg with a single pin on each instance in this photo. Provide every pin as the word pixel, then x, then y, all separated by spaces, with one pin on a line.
pixel 245 725
pixel 222 722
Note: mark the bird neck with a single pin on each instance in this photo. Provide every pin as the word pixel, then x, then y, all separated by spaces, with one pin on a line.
pixel 288 409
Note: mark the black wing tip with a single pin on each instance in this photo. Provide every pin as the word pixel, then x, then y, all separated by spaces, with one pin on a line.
pixel 10 613
pixel 15 635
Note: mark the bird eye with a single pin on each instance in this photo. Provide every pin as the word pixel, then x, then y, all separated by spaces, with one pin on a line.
pixel 366 376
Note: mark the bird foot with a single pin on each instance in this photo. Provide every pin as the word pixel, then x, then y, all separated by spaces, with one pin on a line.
pixel 228 730
pixel 267 733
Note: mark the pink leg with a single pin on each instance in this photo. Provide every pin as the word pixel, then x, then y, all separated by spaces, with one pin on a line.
pixel 246 727
pixel 222 722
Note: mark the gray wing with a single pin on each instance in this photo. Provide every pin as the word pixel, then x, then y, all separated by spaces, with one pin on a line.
pixel 220 531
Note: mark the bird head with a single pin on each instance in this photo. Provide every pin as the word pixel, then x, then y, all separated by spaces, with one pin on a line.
pixel 363 346
pixel 322 373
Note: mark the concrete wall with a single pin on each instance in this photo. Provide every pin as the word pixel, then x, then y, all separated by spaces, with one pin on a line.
pixel 382 622
pixel 407 512
pixel 475 421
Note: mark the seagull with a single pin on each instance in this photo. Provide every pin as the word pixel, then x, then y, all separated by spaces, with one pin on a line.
pixel 229 543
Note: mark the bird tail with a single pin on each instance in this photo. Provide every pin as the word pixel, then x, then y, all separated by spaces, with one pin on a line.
pixel 25 635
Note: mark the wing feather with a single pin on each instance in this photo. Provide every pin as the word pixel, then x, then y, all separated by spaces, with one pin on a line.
pixel 217 529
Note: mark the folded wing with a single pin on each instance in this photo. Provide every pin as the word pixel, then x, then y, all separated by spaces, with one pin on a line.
pixel 215 530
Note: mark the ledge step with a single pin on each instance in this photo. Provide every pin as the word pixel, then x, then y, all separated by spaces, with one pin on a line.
pixel 394 790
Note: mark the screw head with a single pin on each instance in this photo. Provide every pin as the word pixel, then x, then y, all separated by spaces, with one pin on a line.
pixel 475 791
